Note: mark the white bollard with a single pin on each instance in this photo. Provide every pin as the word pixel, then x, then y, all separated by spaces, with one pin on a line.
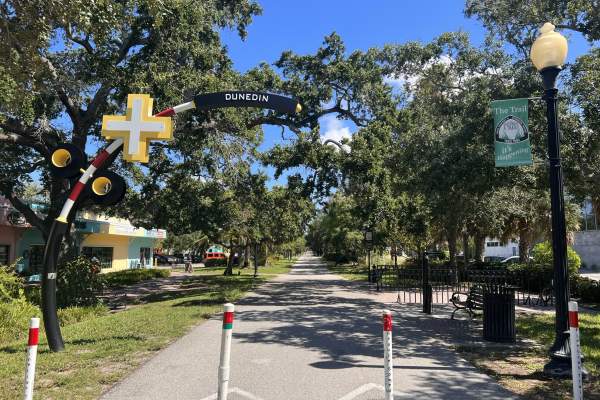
pixel 32 345
pixel 225 351
pixel 575 351
pixel 388 368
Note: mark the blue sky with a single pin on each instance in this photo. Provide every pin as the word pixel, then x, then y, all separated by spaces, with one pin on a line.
pixel 300 26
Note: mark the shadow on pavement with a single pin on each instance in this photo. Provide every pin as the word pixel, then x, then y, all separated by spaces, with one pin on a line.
pixel 330 316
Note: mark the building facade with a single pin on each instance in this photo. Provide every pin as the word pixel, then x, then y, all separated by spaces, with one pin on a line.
pixel 495 248
pixel 113 242
pixel 587 239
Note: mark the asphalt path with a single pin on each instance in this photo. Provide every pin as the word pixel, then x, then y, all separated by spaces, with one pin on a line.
pixel 312 335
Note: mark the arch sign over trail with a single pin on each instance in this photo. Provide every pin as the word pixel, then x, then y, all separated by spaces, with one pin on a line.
pixel 132 132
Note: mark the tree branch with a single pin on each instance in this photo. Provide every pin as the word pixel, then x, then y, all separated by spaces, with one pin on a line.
pixel 102 93
pixel 28 213
pixel 20 137
pixel 85 43
pixel 72 109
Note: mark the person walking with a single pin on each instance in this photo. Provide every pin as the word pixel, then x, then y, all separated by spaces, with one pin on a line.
pixel 188 263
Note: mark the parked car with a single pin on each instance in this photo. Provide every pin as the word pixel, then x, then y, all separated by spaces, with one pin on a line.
pixel 214 256
pixel 165 259
pixel 493 259
pixel 196 258
pixel 179 257
pixel 513 260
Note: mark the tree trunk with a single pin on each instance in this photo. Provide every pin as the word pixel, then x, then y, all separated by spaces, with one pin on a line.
pixel 452 239
pixel 229 268
pixel 266 255
pixel 466 252
pixel 524 240
pixel 247 254
pixel 479 247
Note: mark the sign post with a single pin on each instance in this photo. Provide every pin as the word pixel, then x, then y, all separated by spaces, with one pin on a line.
pixel 388 367
pixel 225 351
pixel 511 134
pixel 575 351
pixel 32 345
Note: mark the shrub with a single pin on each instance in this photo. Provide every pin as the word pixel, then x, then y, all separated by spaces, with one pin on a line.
pixel 11 285
pixel 586 289
pixel 78 282
pixel 542 254
pixel 14 319
pixel 341 258
pixel 131 276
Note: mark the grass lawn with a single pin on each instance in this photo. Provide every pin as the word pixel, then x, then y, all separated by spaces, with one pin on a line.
pixel 102 349
pixel 275 268
pixel 520 369
pixel 349 271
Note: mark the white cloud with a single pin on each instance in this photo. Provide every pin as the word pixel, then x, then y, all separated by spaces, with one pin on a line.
pixel 333 128
pixel 400 81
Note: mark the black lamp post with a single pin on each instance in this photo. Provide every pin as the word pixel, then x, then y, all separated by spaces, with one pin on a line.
pixel 548 54
pixel 369 244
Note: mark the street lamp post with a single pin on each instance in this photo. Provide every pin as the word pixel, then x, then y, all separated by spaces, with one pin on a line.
pixel 369 244
pixel 548 54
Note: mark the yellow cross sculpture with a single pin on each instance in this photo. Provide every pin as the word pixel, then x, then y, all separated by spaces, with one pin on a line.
pixel 137 127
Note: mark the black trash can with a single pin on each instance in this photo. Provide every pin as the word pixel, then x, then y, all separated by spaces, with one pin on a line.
pixel 499 314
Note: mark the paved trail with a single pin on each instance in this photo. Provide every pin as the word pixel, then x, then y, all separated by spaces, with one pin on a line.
pixel 310 335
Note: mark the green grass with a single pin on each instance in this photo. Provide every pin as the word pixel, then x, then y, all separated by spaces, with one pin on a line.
pixel 274 268
pixel 520 368
pixel 349 271
pixel 102 348
pixel 131 276
pixel 541 329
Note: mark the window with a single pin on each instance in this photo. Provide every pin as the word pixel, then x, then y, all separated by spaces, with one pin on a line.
pixel 36 259
pixel 588 217
pixel 145 257
pixel 104 255
pixel 4 254
pixel 492 244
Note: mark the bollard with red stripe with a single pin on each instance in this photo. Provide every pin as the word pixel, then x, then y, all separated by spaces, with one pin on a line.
pixel 388 368
pixel 225 351
pixel 32 345
pixel 575 351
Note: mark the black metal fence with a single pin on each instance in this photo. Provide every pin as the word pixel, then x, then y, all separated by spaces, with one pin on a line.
pixel 531 288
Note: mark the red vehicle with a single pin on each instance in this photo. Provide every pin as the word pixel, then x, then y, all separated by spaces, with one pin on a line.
pixel 217 255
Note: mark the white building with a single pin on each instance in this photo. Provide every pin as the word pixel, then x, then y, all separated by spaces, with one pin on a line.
pixel 587 239
pixel 495 248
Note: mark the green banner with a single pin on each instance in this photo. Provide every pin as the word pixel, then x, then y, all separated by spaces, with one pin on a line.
pixel 511 135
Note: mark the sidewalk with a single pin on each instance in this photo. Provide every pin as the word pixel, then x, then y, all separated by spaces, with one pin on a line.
pixel 312 335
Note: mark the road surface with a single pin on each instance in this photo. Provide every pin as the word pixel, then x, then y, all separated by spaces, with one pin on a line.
pixel 312 335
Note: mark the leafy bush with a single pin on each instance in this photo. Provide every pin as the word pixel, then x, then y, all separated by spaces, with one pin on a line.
pixel 14 319
pixel 542 255
pixel 341 258
pixel 11 285
pixel 131 276
pixel 15 310
pixel 215 262
pixel 78 282
pixel 586 289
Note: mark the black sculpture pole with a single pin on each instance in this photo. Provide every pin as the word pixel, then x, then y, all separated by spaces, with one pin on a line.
pixel 49 311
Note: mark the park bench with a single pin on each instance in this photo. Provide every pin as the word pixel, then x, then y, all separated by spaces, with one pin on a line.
pixel 473 300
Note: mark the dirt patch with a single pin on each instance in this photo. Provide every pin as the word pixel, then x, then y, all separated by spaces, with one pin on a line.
pixel 521 371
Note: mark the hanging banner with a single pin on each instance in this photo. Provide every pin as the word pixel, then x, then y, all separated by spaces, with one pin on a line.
pixel 511 135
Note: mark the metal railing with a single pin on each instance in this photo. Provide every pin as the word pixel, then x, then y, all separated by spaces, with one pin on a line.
pixel 531 288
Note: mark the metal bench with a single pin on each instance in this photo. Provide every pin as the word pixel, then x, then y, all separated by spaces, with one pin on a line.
pixel 473 300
